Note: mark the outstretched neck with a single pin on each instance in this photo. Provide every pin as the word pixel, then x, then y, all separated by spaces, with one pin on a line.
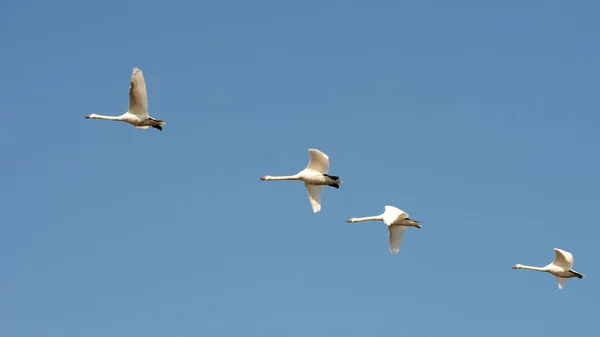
pixel 294 177
pixel 367 218
pixel 110 118
pixel 532 268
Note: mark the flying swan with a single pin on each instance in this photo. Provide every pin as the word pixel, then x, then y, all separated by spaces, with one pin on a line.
pixel 314 177
pixel 397 221
pixel 137 115
pixel 561 267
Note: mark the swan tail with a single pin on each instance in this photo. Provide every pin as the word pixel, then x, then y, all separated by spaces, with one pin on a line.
pixel 161 122
pixel 578 275
pixel 335 185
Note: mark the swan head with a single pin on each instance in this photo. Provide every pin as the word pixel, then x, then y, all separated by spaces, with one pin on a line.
pixel 517 266
pixel 90 116
pixel 265 178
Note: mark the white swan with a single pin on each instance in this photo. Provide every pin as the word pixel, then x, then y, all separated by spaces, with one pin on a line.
pixel 397 221
pixel 561 267
pixel 137 115
pixel 314 177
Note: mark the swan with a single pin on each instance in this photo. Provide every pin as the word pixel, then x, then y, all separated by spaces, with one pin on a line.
pixel 314 177
pixel 137 115
pixel 397 221
pixel 561 267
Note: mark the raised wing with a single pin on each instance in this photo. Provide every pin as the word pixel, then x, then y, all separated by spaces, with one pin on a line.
pixel 393 214
pixel 314 195
pixel 319 161
pixel 138 97
pixel 396 235
pixel 563 259
pixel 561 282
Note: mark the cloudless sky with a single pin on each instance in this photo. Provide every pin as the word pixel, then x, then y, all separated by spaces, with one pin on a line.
pixel 478 118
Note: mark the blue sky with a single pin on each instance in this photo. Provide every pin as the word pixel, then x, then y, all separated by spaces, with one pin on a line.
pixel 478 119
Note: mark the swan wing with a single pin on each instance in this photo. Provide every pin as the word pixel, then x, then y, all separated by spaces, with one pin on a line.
pixel 396 235
pixel 561 282
pixel 138 97
pixel 319 161
pixel 393 214
pixel 314 195
pixel 563 259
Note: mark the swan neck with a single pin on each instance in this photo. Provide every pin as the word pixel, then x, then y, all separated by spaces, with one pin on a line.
pixel 294 177
pixel 533 268
pixel 368 218
pixel 108 118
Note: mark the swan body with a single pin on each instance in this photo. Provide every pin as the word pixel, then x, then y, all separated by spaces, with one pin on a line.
pixel 314 177
pixel 561 267
pixel 396 220
pixel 137 115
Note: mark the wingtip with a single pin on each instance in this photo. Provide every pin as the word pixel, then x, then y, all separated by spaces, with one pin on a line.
pixel 318 151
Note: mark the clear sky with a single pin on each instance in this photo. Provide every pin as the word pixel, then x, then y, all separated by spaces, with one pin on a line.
pixel 479 119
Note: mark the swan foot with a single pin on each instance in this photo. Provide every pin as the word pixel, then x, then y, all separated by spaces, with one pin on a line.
pixel 157 127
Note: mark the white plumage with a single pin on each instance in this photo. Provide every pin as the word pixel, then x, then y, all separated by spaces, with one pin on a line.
pixel 561 267
pixel 314 177
pixel 396 220
pixel 137 114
